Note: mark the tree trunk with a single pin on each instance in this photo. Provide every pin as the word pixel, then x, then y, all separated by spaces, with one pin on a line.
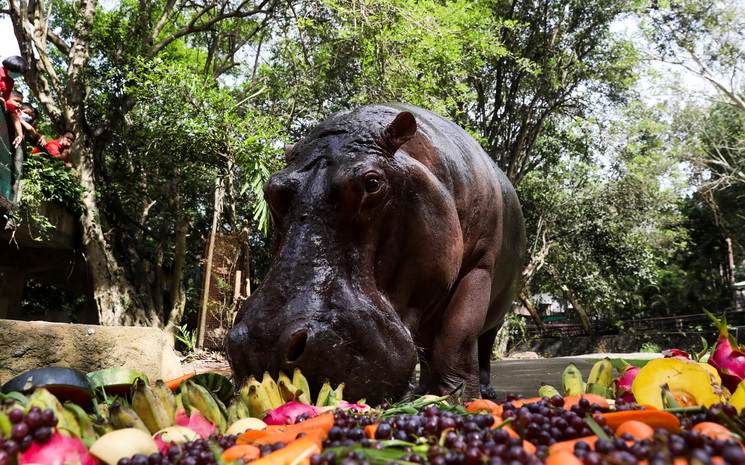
pixel 115 298
pixel 533 313
pixel 178 296
pixel 584 318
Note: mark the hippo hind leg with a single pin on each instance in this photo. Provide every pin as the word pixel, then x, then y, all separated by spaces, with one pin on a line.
pixel 486 346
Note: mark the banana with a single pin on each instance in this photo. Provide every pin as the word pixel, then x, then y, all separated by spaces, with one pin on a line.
pixel 237 409
pixel 5 425
pixel 299 381
pixel 200 398
pixel 167 398
pixel 46 400
pixel 121 416
pixel 547 390
pixel 273 399
pixel 88 434
pixel 254 401
pixel 149 407
pixel 288 392
pixel 601 378
pixel 571 381
pixel 323 394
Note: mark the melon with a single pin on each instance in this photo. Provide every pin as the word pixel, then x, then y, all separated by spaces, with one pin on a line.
pixel 65 383
pixel 116 381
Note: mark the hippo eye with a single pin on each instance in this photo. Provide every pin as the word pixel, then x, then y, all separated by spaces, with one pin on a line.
pixel 372 184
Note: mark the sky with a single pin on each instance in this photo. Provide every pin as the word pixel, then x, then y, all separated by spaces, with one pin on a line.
pixel 8 43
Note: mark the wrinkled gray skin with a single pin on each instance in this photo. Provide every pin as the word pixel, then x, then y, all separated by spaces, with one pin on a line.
pixel 397 241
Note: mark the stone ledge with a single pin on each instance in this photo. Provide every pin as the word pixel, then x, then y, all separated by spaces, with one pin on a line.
pixel 28 345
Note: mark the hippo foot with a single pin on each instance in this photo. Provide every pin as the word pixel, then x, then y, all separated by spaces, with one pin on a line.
pixel 488 391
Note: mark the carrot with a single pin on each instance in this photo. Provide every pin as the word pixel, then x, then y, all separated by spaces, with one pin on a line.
pixel 563 458
pixel 635 428
pixel 246 452
pixel 324 421
pixel 568 445
pixel 654 418
pixel 317 435
pixel 174 383
pixel 482 404
pixel 370 430
pixel 297 452
pixel 251 436
pixel 569 401
pixel 715 430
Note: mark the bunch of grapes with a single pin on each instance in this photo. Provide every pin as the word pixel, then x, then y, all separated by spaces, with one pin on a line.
pixel 35 426
pixel 196 452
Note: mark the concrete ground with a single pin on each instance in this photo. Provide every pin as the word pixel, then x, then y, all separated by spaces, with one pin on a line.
pixel 525 376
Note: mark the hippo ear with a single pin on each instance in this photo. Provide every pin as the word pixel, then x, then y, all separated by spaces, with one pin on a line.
pixel 401 130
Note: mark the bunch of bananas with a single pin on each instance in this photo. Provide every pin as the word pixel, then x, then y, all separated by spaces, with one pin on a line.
pixel 600 381
pixel 260 396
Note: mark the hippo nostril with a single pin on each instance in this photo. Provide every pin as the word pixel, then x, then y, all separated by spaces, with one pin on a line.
pixel 296 346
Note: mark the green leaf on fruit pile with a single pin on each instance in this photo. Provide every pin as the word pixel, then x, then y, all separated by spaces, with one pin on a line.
pixel 374 456
pixel 15 395
pixel 595 427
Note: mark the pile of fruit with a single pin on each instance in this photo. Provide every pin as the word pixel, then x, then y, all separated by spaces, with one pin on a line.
pixel 673 410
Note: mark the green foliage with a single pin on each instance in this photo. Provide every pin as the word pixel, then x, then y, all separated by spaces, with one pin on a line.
pixel 187 337
pixel 48 180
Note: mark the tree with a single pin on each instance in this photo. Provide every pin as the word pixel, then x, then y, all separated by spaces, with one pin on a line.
pixel 707 40
pixel 81 57
pixel 501 69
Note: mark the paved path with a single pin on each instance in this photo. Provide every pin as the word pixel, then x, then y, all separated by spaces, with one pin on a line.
pixel 508 376
pixel 525 376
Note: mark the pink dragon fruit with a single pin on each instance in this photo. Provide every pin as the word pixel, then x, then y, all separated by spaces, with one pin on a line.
pixel 196 422
pixel 288 413
pixel 624 382
pixel 676 353
pixel 728 356
pixel 59 450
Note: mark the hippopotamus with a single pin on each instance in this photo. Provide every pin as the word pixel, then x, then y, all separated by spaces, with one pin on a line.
pixel 397 242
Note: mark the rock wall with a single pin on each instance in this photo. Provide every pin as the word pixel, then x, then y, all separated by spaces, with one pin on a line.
pixel 621 343
pixel 28 345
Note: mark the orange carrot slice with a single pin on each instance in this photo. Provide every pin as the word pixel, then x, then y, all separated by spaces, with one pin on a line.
pixel 246 452
pixel 715 430
pixel 370 430
pixel 636 429
pixel 654 418
pixel 296 453
pixel 174 383
pixel 563 458
pixel 251 435
pixel 568 445
pixel 482 405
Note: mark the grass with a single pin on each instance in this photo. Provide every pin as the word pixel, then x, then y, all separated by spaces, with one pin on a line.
pixel 618 362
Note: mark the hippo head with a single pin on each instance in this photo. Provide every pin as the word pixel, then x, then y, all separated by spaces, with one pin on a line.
pixel 331 303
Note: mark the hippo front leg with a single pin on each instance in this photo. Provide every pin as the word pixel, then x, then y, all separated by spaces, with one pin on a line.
pixel 453 358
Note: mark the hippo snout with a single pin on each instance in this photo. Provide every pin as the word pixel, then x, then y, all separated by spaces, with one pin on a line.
pixel 372 358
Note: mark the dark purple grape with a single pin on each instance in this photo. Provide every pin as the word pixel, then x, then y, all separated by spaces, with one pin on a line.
pixel 16 415
pixel 19 431
pixel 4 457
pixel 124 461
pixel 43 434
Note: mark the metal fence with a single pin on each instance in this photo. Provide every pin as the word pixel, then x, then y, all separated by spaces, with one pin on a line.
pixel 689 322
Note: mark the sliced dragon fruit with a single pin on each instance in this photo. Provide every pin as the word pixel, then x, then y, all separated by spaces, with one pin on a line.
pixel 624 382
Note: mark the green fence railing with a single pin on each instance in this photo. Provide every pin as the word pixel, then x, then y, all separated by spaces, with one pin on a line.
pixel 10 163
